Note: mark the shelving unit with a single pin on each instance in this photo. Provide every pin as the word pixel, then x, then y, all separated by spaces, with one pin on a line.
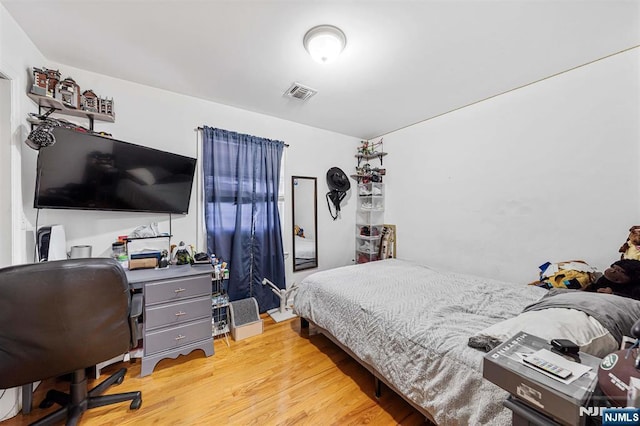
pixel 369 221
pixel 371 156
pixel 366 173
pixel 370 227
pixel 220 315
pixel 60 108
pixel 219 308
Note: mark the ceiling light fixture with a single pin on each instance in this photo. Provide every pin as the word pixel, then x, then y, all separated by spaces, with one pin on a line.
pixel 324 43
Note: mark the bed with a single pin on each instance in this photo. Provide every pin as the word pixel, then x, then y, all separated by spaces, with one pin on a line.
pixel 305 251
pixel 410 325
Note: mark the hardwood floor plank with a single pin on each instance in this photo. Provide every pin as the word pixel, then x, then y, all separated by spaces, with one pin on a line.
pixel 280 377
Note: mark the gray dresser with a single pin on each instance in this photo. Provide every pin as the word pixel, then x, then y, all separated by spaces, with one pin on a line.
pixel 177 312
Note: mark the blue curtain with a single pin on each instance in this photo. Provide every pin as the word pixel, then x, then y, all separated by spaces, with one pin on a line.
pixel 241 178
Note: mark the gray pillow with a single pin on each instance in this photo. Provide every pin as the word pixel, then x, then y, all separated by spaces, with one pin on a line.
pixel 616 313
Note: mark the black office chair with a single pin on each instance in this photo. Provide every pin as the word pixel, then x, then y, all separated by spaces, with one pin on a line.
pixel 62 317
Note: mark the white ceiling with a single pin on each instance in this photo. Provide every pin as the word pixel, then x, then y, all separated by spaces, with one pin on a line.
pixel 405 61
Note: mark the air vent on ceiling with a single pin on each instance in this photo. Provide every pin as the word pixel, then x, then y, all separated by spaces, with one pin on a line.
pixel 300 91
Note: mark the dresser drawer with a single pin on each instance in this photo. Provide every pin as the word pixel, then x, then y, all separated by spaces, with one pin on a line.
pixel 174 337
pixel 176 289
pixel 177 313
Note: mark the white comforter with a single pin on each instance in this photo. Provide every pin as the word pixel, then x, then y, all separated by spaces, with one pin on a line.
pixel 412 324
pixel 305 248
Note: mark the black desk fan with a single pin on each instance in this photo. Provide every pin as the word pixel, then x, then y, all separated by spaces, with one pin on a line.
pixel 339 184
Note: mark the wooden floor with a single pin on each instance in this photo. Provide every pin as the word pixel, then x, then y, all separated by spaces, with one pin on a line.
pixel 280 377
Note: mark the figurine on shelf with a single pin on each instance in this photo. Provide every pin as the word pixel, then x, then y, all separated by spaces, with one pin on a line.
pixel 89 101
pixel 68 92
pixel 364 148
pixel 39 82
pixel 53 78
pixel 105 106
pixel 374 147
pixel 45 81
pixel 368 148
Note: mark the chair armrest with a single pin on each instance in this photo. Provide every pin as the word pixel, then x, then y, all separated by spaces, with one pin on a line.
pixel 134 313
pixel 136 305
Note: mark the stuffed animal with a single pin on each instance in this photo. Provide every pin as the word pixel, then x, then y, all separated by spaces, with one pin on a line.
pixel 298 231
pixel 631 248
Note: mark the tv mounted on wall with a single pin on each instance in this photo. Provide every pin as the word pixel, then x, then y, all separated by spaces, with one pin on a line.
pixel 90 172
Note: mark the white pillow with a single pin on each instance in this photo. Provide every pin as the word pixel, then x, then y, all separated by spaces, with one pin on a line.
pixel 148 175
pixel 143 175
pixel 558 323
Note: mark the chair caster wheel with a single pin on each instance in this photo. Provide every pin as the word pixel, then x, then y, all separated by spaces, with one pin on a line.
pixel 46 403
pixel 136 403
pixel 120 380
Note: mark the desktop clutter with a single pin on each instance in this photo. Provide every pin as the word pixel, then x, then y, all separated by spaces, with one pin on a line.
pixel 147 248
pixel 157 252
pixel 141 252
pixel 144 248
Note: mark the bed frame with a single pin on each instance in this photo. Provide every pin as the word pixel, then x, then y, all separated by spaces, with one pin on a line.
pixel 377 377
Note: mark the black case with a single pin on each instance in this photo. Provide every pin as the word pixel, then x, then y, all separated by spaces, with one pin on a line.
pixel 565 346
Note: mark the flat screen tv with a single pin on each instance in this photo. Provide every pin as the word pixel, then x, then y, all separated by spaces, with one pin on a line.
pixel 90 172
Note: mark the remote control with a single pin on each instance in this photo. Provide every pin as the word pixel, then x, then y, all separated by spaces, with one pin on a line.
pixel 548 367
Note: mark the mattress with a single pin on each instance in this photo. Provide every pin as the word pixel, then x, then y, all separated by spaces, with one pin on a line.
pixel 412 324
pixel 305 248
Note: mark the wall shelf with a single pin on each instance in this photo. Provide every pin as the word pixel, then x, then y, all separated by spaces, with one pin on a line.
pixel 371 156
pixel 47 102
pixel 361 176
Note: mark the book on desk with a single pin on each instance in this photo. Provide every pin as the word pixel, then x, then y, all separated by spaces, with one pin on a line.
pixel 555 398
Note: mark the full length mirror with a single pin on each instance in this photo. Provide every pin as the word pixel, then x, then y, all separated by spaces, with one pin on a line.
pixel 305 222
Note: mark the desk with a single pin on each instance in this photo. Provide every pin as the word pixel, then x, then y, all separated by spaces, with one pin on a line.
pixel 176 312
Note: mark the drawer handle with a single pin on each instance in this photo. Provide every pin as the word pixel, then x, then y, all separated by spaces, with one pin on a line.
pixel 180 313
pixel 179 290
pixel 180 337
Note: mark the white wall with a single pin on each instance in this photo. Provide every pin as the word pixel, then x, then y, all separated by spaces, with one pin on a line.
pixel 167 121
pixel 5 173
pixel 17 53
pixel 336 238
pixel 9 399
pixel 548 172
pixel 304 214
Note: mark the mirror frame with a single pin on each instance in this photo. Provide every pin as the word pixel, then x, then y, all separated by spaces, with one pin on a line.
pixel 311 265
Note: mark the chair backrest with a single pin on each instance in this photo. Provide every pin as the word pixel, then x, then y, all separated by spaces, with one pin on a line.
pixel 61 316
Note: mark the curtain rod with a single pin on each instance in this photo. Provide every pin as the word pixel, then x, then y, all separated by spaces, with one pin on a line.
pixel 201 128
